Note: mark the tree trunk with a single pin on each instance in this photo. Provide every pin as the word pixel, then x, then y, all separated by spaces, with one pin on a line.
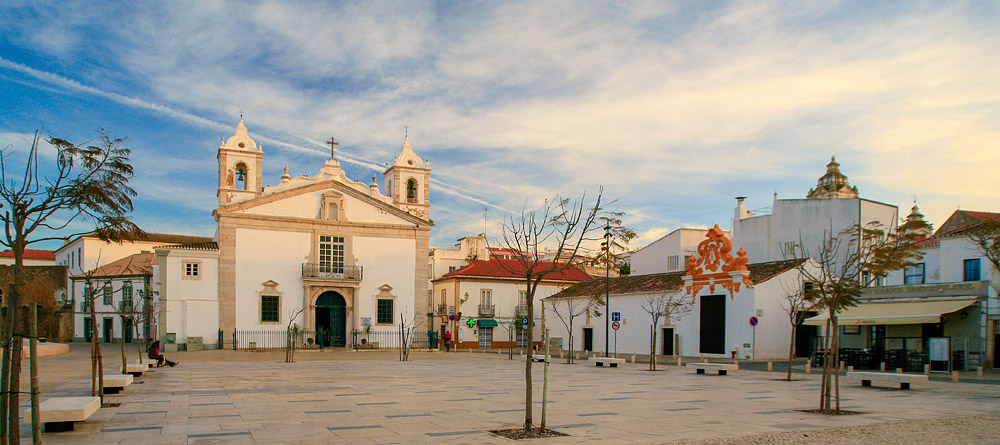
pixel 124 359
pixel 652 348
pixel 826 361
pixel 527 361
pixel 836 363
pixel 791 354
pixel 5 372
pixel 13 425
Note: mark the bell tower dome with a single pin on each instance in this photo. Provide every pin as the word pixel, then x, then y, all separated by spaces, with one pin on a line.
pixel 240 165
pixel 407 181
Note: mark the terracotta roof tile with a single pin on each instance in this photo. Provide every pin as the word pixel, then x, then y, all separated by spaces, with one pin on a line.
pixel 138 264
pixel 671 281
pixel 501 268
pixel 33 254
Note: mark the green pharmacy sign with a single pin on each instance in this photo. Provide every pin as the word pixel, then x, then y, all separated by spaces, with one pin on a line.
pixel 470 322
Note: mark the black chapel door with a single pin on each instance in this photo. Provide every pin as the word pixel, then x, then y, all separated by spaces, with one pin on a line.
pixel 588 339
pixel 668 341
pixel 713 324
pixel 331 319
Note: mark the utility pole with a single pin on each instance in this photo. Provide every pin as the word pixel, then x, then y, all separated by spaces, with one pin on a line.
pixel 607 289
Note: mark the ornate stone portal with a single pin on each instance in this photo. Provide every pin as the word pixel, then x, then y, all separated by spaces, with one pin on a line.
pixel 715 266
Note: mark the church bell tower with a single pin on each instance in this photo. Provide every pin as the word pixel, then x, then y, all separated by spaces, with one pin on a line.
pixel 407 181
pixel 240 165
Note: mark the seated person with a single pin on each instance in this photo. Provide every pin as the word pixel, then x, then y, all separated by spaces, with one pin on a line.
pixel 154 352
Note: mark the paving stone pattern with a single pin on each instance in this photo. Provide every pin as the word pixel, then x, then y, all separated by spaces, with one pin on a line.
pixel 458 398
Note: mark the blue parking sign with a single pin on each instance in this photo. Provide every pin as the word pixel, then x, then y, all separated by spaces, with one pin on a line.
pixel 524 322
pixel 616 316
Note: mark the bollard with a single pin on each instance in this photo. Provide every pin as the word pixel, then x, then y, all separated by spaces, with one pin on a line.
pixel 979 371
pixel 850 368
pixel 881 367
pixel 678 361
pixel 808 367
pixel 927 369
pixel 841 366
pixel 954 377
pixel 561 354
pixel 633 358
pixel 770 367
pixel 899 370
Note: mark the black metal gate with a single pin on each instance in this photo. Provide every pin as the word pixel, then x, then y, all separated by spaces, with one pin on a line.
pixel 713 324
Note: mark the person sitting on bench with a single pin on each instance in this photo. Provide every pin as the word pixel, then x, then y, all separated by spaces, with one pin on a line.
pixel 154 352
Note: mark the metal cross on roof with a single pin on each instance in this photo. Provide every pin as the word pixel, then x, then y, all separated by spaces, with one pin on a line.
pixel 333 145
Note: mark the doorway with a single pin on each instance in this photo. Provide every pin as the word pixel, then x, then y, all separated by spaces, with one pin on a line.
pixel 109 329
pixel 127 331
pixel 485 338
pixel 713 324
pixel 331 319
pixel 668 342
pixel 588 339
pixel 805 339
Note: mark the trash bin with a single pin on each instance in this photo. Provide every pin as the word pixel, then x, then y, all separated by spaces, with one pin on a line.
pixel 195 344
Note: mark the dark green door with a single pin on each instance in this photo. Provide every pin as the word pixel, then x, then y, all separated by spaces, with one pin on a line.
pixel 331 318
pixel 713 324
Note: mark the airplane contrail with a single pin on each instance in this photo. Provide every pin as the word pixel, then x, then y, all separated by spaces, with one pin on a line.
pixel 199 121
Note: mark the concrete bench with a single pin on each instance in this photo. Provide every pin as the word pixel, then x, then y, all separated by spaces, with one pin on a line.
pixel 904 380
pixel 59 413
pixel 115 383
pixel 610 361
pixel 538 357
pixel 151 362
pixel 135 370
pixel 722 368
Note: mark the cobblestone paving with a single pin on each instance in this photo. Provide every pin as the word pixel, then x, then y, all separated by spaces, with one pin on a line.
pixel 348 397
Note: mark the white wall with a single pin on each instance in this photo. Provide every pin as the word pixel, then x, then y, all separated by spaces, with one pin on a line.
pixel 263 255
pixel 190 306
pixel 653 257
pixel 385 261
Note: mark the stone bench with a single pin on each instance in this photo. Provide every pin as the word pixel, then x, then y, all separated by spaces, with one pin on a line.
pixel 135 370
pixel 904 380
pixel 59 413
pixel 538 357
pixel 610 361
pixel 115 383
pixel 722 368
pixel 151 362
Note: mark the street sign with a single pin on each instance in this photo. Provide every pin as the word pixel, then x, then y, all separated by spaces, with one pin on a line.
pixel 616 316
pixel 615 325
pixel 753 321
pixel 471 322
pixel 524 322
pixel 451 317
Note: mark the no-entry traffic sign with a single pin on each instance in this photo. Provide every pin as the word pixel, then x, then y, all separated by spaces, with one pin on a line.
pixel 615 325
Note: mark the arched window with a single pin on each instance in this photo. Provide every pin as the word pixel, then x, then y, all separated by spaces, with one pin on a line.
pixel 241 176
pixel 411 191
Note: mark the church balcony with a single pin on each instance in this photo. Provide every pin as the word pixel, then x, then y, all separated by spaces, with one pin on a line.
pixel 331 272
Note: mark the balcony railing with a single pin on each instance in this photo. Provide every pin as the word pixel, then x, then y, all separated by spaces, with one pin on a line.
pixel 442 309
pixel 331 272
pixel 84 306
pixel 521 311
pixel 486 310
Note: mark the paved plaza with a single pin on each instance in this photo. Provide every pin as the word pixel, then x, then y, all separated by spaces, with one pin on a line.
pixel 369 397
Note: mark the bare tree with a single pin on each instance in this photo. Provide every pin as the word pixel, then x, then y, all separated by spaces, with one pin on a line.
pixel 562 223
pixel 86 183
pixel 291 332
pixel 985 236
pixel 844 264
pixel 797 298
pixel 405 331
pixel 668 306
pixel 567 309
pixel 128 313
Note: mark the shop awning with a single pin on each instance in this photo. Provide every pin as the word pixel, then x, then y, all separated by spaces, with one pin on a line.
pixel 908 312
pixel 487 323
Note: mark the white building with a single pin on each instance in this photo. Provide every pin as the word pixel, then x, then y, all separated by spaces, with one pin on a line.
pixel 32 257
pixel 948 294
pixel 725 293
pixel 667 254
pixel 325 252
pixel 119 288
pixel 477 302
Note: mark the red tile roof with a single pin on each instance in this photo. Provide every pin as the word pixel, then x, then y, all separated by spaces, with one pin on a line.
pixel 33 254
pixel 498 268
pixel 963 220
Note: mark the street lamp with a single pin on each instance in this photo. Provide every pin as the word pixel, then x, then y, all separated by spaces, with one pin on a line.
pixel 607 288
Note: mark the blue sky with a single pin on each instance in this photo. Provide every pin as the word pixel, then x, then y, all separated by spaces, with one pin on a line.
pixel 674 107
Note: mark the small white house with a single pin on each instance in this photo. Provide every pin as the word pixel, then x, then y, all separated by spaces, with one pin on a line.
pixel 725 293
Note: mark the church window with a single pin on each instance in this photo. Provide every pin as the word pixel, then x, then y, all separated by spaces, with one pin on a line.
pixel 269 309
pixel 384 315
pixel 411 191
pixel 107 293
pixel 331 254
pixel 192 270
pixel 241 177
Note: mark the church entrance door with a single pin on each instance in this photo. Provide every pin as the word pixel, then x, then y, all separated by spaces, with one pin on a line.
pixel 331 319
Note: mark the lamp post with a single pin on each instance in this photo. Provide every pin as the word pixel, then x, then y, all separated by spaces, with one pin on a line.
pixel 607 289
